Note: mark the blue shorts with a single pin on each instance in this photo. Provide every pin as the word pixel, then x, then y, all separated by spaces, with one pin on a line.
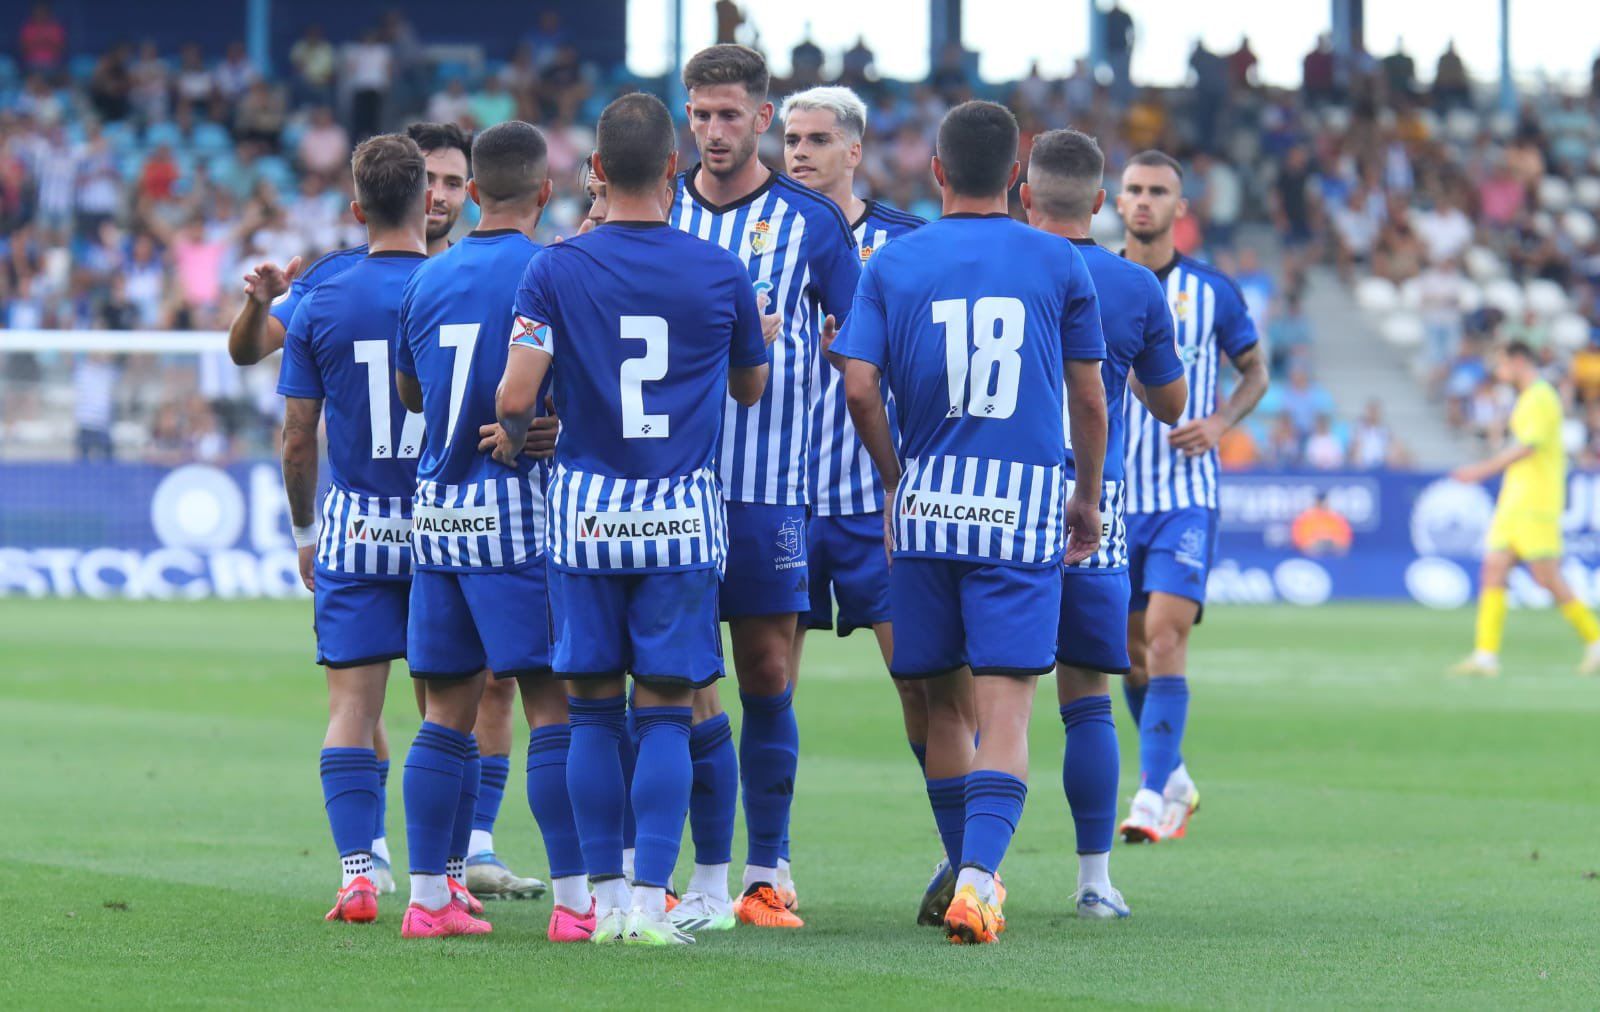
pixel 1171 552
pixel 1094 621
pixel 766 570
pixel 658 627
pixel 848 566
pixel 359 621
pixel 463 622
pixel 999 619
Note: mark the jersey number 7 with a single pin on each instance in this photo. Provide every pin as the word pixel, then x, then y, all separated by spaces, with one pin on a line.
pixel 990 364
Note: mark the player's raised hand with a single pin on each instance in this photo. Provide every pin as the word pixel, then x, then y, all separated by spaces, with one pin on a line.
pixel 308 566
pixel 268 281
pixel 1198 437
pixel 1083 530
pixel 771 323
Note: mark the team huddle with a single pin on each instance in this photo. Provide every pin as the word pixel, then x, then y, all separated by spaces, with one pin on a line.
pixel 749 397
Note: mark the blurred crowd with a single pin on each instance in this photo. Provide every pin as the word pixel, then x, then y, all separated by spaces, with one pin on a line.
pixel 136 186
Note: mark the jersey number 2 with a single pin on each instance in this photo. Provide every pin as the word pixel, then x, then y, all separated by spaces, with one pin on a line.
pixel 380 387
pixel 990 365
pixel 636 372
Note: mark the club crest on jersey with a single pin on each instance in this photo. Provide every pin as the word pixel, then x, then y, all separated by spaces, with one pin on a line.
pixel 760 236
pixel 866 253
pixel 530 333
pixel 1181 308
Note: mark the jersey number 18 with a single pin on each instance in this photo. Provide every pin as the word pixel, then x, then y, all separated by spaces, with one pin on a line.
pixel 982 375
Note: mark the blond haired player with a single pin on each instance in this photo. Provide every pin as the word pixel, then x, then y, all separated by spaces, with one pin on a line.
pixel 1527 518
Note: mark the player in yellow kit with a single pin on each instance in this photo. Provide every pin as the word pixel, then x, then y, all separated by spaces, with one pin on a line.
pixel 1527 518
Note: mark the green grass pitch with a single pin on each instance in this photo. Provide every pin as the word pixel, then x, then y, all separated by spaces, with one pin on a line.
pixel 1372 834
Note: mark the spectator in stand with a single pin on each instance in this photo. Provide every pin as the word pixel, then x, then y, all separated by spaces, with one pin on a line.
pixel 1145 121
pixel 858 65
pixel 195 85
pixel 55 173
pixel 1321 530
pixel 42 41
pixel 159 175
pixel 1210 99
pixel 1242 66
pixel 492 105
pixel 324 145
pixel 150 86
pixel 198 259
pixel 1289 336
pixel 99 182
pixel 1399 71
pixel 1401 253
pixel 1446 231
pixel 1324 451
pixel 452 105
pixel 729 18
pixel 1357 223
pixel 1292 207
pixel 1283 443
pixel 1501 196
pixel 1452 88
pixel 1237 449
pixel 1317 73
pixel 1442 292
pixel 314 63
pixel 805 63
pixel 1303 400
pixel 1221 200
pixel 260 116
pixel 1258 287
pixel 547 40
pixel 1119 41
pixel 521 78
pixel 1373 446
pixel 367 72
pixel 111 85
pixel 94 387
pixel 950 77
pixel 234 75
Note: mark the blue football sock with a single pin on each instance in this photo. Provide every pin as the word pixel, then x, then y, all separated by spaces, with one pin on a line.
pixel 948 796
pixel 471 776
pixel 920 750
pixel 628 750
pixel 380 827
pixel 1089 771
pixel 1134 694
pixel 994 807
pixel 1166 710
pixel 661 787
pixel 350 795
pixel 769 752
pixel 716 790
pixel 549 801
pixel 495 770
pixel 432 790
pixel 594 781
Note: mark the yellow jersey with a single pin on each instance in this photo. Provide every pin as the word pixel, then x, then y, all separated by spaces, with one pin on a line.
pixel 1537 484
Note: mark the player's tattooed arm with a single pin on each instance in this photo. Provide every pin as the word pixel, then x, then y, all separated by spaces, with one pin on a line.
pixel 1086 416
pixel 301 416
pixel 517 400
pixel 1203 434
pixel 255 333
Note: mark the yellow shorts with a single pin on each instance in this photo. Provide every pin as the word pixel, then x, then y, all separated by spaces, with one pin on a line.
pixel 1528 536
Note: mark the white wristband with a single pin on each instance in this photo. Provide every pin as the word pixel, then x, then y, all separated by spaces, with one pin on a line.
pixel 304 537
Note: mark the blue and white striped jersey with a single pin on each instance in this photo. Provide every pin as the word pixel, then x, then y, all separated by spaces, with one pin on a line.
pixel 642 324
pixel 470 511
pixel 801 258
pixel 1138 329
pixel 324 267
pixel 1210 319
pixel 972 319
pixel 337 350
pixel 842 478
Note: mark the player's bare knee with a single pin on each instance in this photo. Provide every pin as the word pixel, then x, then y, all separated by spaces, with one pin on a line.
pixel 1166 649
pixel 1073 683
pixel 544 700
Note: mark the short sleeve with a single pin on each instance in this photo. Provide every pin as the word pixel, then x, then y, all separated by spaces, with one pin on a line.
pixel 1082 337
pixel 867 335
pixel 403 359
pixel 532 308
pixel 284 309
pixel 836 270
pixel 1236 332
pixel 298 374
pixel 1157 362
pixel 748 347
